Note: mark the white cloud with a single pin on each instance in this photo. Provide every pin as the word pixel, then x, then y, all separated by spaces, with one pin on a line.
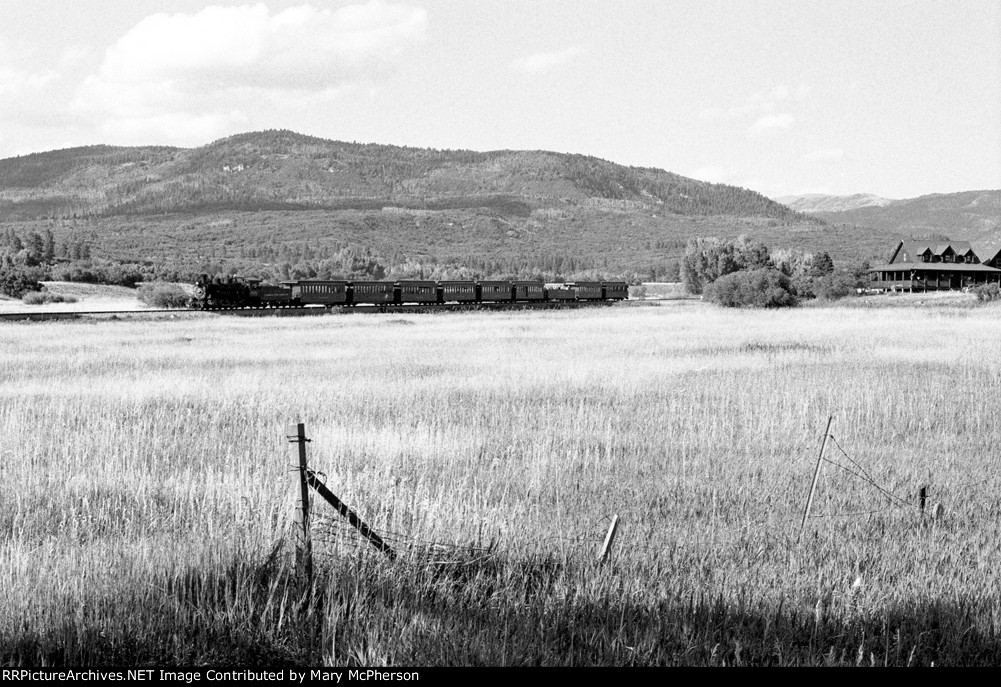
pixel 730 175
pixel 712 113
pixel 248 46
pixel 783 120
pixel 546 61
pixel 753 107
pixel 29 96
pixel 825 154
pixel 33 88
pixel 74 56
pixel 19 83
pixel 780 93
pixel 186 128
pixel 759 104
pixel 814 191
pixel 174 75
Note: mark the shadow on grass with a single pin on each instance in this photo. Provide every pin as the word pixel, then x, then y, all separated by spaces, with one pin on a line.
pixel 489 611
pixel 543 612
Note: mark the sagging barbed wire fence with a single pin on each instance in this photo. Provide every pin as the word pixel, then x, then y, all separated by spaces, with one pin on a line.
pixel 340 529
pixel 859 472
pixel 350 531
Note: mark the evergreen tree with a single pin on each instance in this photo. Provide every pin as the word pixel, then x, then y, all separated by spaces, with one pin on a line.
pixel 49 247
pixel 36 246
pixel 751 254
pixel 822 265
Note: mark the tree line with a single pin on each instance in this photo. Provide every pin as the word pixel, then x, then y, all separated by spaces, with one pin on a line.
pixel 744 272
pixel 27 259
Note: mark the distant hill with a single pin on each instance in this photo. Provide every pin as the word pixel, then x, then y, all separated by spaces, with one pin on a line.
pixel 817 202
pixel 269 201
pixel 961 216
pixel 284 170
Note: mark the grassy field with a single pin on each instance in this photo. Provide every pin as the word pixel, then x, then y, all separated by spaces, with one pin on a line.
pixel 659 291
pixel 147 491
pixel 82 297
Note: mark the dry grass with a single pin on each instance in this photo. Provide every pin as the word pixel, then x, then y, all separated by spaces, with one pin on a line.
pixel 88 297
pixel 146 482
pixel 663 291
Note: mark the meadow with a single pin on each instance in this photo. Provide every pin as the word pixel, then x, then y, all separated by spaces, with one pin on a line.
pixel 147 489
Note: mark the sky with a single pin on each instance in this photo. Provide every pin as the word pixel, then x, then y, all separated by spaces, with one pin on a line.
pixel 899 98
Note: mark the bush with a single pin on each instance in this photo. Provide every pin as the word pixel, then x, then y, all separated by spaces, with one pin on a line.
pixel 708 259
pixel 43 297
pixel 829 287
pixel 803 286
pixel 834 286
pixel 637 292
pixel 16 283
pixel 987 292
pixel 822 265
pixel 761 288
pixel 162 295
pixel 93 272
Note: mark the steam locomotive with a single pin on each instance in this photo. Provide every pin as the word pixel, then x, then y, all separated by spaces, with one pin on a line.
pixel 236 292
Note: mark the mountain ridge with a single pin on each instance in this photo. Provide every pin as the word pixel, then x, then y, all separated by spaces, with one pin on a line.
pixel 265 202
pixel 965 215
pixel 821 202
pixel 279 169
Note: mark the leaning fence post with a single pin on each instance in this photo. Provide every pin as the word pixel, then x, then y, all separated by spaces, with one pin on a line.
pixel 304 543
pixel 352 517
pixel 816 476
pixel 606 548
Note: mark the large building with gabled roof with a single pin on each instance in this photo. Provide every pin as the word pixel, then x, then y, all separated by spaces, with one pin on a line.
pixel 922 265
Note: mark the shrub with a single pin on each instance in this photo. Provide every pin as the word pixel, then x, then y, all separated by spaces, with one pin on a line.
pixel 828 287
pixel 16 283
pixel 792 262
pixel 98 272
pixel 803 286
pixel 987 292
pixel 637 292
pixel 822 265
pixel 163 295
pixel 705 261
pixel 708 259
pixel 860 271
pixel 762 288
pixel 833 286
pixel 42 297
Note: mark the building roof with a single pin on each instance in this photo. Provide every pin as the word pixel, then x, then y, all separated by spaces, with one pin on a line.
pixel 933 267
pixel 913 248
pixel 988 248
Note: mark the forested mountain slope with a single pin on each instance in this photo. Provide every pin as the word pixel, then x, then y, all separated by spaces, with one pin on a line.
pixel 961 216
pixel 281 169
pixel 277 203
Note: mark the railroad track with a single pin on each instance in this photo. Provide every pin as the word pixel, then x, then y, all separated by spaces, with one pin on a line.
pixel 39 316
pixel 42 315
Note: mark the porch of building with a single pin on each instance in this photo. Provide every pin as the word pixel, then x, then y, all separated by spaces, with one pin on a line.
pixel 920 278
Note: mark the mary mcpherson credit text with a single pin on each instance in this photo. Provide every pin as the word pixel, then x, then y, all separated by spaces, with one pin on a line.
pixel 212 675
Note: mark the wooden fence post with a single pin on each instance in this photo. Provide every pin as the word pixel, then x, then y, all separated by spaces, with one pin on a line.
pixel 606 548
pixel 352 517
pixel 304 542
pixel 816 477
pixel 922 498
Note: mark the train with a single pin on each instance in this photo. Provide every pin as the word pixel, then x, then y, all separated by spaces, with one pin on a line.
pixel 231 293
